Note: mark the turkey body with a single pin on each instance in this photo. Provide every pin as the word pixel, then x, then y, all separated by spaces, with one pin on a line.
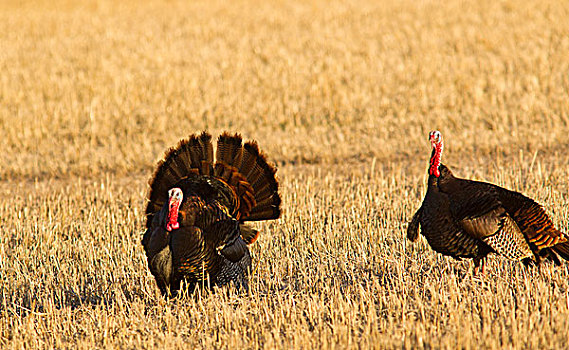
pixel 197 209
pixel 441 229
pixel 469 219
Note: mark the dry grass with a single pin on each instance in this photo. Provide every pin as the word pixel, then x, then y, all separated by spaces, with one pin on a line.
pixel 341 97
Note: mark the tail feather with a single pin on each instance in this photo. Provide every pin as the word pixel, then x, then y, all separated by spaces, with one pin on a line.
pixel 176 168
pixel 229 149
pixel 269 201
pixel 243 187
pixel 248 233
pixel 264 214
pixel 271 209
pixel 263 191
pixel 205 168
pixel 248 202
pixel 251 154
pixel 220 170
pixel 261 176
pixel 183 157
pixel 201 152
pixel 562 249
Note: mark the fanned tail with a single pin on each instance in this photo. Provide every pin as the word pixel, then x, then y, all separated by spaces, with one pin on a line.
pixel 243 167
pixel 191 156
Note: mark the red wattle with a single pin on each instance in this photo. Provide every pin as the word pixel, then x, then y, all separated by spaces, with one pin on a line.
pixel 173 223
pixel 433 170
pixel 172 226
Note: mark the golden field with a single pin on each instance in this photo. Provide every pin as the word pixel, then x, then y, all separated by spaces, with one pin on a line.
pixel 341 96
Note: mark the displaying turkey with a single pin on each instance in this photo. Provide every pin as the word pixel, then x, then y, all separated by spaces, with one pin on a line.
pixel 470 219
pixel 197 208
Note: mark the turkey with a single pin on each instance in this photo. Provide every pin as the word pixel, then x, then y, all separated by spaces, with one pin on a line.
pixel 196 210
pixel 470 219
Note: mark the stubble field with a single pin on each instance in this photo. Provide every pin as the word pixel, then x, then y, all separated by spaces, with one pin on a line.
pixel 341 96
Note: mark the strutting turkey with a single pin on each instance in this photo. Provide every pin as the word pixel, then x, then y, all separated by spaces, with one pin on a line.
pixel 470 219
pixel 197 208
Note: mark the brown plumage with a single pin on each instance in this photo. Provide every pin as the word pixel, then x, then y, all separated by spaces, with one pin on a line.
pixel 197 208
pixel 470 219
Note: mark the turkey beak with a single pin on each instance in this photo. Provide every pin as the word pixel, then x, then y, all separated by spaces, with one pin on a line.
pixel 175 197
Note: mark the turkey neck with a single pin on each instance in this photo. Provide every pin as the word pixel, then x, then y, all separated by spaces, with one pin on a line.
pixel 445 182
pixel 435 161
pixel 433 183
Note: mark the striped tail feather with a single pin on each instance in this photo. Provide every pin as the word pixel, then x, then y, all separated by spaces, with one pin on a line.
pixel 229 149
pixel 201 153
pixel 245 168
pixel 262 177
pixel 191 156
